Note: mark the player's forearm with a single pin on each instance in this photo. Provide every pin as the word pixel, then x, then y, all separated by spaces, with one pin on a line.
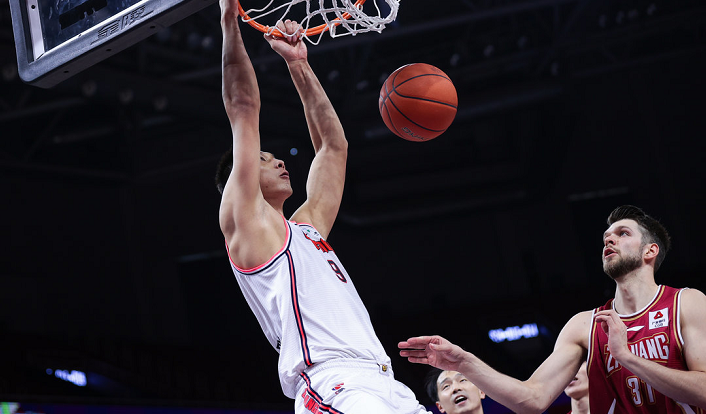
pixel 239 80
pixel 324 126
pixel 518 396
pixel 688 387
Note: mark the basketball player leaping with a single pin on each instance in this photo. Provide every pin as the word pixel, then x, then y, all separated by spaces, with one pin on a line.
pixel 330 360
pixel 646 349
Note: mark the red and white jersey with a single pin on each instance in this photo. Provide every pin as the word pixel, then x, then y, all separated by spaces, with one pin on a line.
pixel 654 333
pixel 308 307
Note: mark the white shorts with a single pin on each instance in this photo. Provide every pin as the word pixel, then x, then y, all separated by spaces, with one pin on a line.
pixel 343 386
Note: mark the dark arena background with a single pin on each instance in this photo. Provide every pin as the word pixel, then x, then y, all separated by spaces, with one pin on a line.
pixel 116 292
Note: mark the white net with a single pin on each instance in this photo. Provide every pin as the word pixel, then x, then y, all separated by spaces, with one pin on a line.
pixel 316 17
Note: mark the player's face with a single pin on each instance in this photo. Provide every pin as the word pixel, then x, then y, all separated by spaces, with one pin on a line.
pixel 457 394
pixel 578 388
pixel 274 178
pixel 622 248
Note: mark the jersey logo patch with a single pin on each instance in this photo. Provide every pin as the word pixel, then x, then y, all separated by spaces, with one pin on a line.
pixel 635 328
pixel 659 319
pixel 320 244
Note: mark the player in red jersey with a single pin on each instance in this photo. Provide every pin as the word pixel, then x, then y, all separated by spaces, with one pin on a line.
pixel 646 348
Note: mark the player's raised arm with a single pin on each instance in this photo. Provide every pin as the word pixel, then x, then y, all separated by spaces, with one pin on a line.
pixel 241 99
pixel 531 396
pixel 688 387
pixel 252 228
pixel 328 170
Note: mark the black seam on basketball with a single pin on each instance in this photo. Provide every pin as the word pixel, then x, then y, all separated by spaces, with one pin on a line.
pixel 387 111
pixel 424 99
pixel 419 76
pixel 402 113
pixel 394 89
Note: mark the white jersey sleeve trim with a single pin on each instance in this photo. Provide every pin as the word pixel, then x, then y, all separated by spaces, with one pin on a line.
pixel 590 341
pixel 678 321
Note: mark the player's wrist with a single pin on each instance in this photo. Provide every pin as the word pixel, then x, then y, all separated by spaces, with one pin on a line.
pixel 467 364
pixel 297 63
pixel 623 356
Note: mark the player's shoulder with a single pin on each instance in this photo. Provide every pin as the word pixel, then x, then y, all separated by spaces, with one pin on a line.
pixel 578 324
pixel 581 319
pixel 251 225
pixel 307 216
pixel 692 293
pixel 693 300
pixel 576 330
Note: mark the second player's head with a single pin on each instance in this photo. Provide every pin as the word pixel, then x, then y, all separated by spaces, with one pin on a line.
pixel 578 387
pixel 453 393
pixel 633 239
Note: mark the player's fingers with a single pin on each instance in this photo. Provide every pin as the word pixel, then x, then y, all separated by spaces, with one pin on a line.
pixel 612 318
pixel 417 341
pixel 605 321
pixel 413 353
pixel 418 360
pixel 288 29
pixel 609 313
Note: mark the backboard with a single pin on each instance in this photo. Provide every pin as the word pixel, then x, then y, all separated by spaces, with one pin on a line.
pixel 55 39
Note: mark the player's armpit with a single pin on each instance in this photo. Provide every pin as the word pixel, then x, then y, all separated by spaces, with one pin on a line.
pixel 324 189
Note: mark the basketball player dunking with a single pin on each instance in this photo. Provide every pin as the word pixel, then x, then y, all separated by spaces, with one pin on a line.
pixel 646 349
pixel 330 360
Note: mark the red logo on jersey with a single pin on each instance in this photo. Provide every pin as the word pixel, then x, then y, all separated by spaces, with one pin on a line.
pixel 654 348
pixel 659 315
pixel 321 244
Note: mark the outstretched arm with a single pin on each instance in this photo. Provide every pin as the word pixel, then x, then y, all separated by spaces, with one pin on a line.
pixel 324 187
pixel 241 99
pixel 687 387
pixel 531 396
pixel 244 213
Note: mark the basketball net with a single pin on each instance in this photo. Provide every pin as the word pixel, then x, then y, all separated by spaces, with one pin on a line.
pixel 338 17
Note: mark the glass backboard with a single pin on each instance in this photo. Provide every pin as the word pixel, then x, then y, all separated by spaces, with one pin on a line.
pixel 55 39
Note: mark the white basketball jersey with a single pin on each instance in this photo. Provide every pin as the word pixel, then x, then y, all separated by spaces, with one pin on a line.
pixel 308 307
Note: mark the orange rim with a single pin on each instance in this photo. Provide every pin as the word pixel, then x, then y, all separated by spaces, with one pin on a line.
pixel 313 31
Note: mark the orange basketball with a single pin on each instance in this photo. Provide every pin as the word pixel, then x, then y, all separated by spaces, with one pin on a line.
pixel 418 102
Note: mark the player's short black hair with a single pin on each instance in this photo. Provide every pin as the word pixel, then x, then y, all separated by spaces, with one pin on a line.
pixel 430 384
pixel 225 165
pixel 653 231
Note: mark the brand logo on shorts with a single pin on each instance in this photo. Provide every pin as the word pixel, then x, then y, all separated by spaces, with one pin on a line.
pixel 338 388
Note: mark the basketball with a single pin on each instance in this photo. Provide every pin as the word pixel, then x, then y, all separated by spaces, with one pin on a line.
pixel 418 102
